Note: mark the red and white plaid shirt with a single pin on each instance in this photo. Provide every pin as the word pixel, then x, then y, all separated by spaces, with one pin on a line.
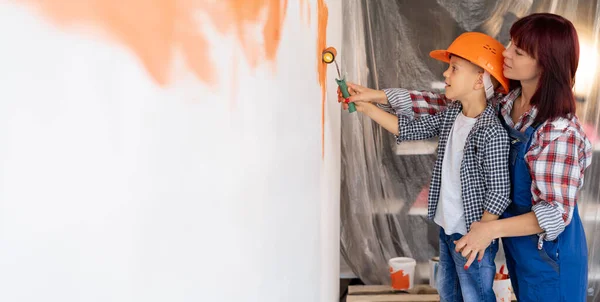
pixel 558 156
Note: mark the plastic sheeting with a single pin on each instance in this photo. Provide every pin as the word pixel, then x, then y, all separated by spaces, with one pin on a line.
pixel 384 185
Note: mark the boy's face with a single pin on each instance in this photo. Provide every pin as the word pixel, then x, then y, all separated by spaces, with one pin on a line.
pixel 461 78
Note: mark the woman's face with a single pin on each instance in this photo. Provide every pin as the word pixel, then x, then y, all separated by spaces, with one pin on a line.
pixel 519 65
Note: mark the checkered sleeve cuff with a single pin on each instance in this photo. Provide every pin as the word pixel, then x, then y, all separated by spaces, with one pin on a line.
pixel 496 203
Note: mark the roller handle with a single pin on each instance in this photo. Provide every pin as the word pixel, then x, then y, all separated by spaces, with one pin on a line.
pixel 346 94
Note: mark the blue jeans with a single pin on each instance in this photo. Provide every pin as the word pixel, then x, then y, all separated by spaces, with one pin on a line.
pixel 454 283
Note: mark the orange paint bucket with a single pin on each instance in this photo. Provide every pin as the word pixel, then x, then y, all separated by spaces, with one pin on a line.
pixel 402 271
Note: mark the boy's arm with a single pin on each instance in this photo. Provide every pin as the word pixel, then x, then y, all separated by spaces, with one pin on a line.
pixel 419 103
pixel 404 127
pixel 496 173
pixel 383 118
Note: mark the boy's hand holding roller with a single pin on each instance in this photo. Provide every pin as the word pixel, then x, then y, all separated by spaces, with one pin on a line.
pixel 362 97
pixel 347 91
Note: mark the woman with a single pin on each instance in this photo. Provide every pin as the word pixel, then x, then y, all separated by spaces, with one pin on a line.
pixel 542 233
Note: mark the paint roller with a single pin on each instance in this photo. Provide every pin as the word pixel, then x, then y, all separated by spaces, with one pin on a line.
pixel 328 57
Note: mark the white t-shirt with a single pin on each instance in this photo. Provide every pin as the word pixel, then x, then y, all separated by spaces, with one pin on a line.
pixel 450 213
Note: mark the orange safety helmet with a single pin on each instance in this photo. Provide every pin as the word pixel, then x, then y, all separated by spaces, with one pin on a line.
pixel 481 50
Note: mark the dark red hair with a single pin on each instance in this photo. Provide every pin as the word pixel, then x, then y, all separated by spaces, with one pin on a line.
pixel 551 40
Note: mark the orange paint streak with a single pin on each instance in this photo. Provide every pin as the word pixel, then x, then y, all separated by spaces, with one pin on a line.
pixel 272 31
pixel 323 15
pixel 305 11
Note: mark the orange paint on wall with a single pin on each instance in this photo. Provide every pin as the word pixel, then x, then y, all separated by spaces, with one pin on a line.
pixel 154 29
pixel 305 11
pixel 323 15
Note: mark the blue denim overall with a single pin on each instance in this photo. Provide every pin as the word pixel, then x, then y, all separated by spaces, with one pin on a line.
pixel 557 271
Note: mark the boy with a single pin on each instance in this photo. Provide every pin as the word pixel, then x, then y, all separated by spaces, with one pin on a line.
pixel 470 180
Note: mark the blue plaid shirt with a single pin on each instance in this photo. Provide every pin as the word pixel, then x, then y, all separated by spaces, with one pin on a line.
pixel 484 174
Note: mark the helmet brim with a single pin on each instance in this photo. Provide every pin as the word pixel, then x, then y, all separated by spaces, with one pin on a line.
pixel 440 55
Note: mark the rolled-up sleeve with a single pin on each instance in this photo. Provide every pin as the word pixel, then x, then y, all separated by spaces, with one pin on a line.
pixel 557 165
pixel 550 219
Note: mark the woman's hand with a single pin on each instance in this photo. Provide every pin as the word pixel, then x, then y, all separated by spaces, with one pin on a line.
pixel 475 242
pixel 362 94
pixel 362 107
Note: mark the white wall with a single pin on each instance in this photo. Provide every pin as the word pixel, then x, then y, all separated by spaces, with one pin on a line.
pixel 115 188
